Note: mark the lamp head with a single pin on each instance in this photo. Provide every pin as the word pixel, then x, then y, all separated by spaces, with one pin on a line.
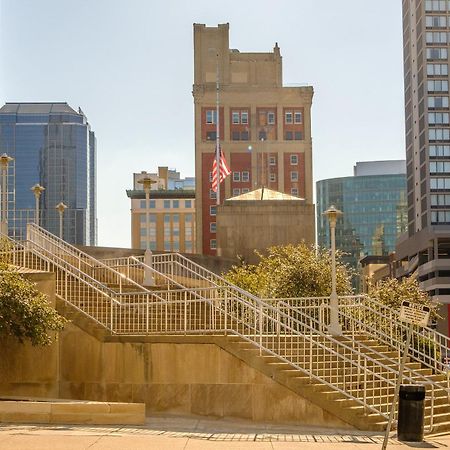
pixel 147 183
pixel 38 189
pixel 332 214
pixel 5 160
pixel 61 207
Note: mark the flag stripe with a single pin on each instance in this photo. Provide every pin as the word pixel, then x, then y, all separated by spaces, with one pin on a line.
pixel 224 171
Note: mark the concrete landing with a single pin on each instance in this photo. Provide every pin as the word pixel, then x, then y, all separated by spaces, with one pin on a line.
pixel 57 411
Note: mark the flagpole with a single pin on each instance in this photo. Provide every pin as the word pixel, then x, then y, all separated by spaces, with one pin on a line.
pixel 217 133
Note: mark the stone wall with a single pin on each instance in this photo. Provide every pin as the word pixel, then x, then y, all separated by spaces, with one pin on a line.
pixel 26 370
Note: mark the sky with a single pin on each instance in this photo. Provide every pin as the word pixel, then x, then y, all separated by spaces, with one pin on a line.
pixel 129 65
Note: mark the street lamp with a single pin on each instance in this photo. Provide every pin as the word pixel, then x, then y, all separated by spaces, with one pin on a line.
pixel 332 214
pixel 61 207
pixel 147 185
pixel 38 190
pixel 4 161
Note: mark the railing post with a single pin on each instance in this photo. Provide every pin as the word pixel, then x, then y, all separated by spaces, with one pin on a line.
pixel 111 303
pixel 260 327
pixel 146 314
pixel 226 311
pixel 278 326
pixel 185 313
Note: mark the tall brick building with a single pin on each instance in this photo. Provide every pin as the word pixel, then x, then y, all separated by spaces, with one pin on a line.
pixel 265 128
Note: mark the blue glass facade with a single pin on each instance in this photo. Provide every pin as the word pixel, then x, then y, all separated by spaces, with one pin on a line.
pixel 52 145
pixel 375 214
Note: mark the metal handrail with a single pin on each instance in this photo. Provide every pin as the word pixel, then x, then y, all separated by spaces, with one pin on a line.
pixel 369 314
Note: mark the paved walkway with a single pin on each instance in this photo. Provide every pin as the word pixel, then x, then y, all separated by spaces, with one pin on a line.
pixel 177 433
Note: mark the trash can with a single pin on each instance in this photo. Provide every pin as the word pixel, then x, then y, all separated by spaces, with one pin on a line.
pixel 411 410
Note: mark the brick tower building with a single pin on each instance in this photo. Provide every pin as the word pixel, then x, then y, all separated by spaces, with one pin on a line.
pixel 265 128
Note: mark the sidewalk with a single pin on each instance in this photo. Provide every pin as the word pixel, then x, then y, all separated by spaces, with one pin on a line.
pixel 179 433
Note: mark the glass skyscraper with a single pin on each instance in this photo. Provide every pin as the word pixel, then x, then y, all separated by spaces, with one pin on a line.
pixel 53 145
pixel 374 206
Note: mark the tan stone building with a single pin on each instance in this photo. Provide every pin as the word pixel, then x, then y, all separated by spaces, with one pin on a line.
pixel 260 219
pixel 170 213
pixel 265 128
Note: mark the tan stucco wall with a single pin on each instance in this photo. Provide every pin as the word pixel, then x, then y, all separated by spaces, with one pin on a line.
pixel 26 370
pixel 246 226
pixel 177 378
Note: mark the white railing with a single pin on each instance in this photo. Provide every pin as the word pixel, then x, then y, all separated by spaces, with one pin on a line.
pixel 60 251
pixel 288 333
pixel 364 315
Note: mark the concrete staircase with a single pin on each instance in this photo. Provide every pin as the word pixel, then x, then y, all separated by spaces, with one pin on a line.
pixel 352 378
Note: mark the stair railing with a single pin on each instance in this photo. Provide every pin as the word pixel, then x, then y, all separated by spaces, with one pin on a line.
pixel 364 315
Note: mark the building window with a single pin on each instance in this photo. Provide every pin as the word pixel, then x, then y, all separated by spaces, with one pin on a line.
pixel 294 176
pixel 235 118
pixel 437 102
pixel 438 118
pixel 152 204
pixel 435 5
pixel 437 53
pixel 298 117
pixel 437 85
pixel 272 161
pixel 298 136
pixel 244 117
pixel 437 69
pixel 294 191
pixel 439 166
pixel 152 218
pixel 271 118
pixel 211 116
pixel 436 21
pixel 188 218
pixel 273 177
pixel 288 117
pixel 436 37
pixel 212 244
pixel 211 136
pixel 245 190
pixel 175 218
pixel 212 210
pixel 166 218
pixel 212 194
pixel 166 204
pixel 210 177
pixel 288 136
pixel 245 176
pixel 439 134
pixel 175 204
pixel 212 227
pixel 236 192
pixel 440 217
pixel 244 135
pixel 294 160
pixel 236 176
pixel 439 151
pixel 235 136
pixel 262 135
pixel 188 203
pixel 440 183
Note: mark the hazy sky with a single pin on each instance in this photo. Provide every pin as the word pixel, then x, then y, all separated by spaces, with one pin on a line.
pixel 129 65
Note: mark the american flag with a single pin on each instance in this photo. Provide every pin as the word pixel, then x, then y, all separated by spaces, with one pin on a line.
pixel 224 171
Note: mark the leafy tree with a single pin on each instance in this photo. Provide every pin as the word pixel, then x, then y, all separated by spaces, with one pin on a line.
pixel 292 271
pixel 392 292
pixel 24 311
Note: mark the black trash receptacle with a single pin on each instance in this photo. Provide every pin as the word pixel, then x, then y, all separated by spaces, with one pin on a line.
pixel 411 410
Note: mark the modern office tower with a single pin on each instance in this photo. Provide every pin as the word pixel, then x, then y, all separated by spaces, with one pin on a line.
pixel 52 145
pixel 170 212
pixel 425 250
pixel 265 127
pixel 374 205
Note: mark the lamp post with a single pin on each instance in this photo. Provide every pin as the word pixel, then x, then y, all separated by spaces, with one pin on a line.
pixel 61 207
pixel 332 214
pixel 37 190
pixel 4 161
pixel 147 185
